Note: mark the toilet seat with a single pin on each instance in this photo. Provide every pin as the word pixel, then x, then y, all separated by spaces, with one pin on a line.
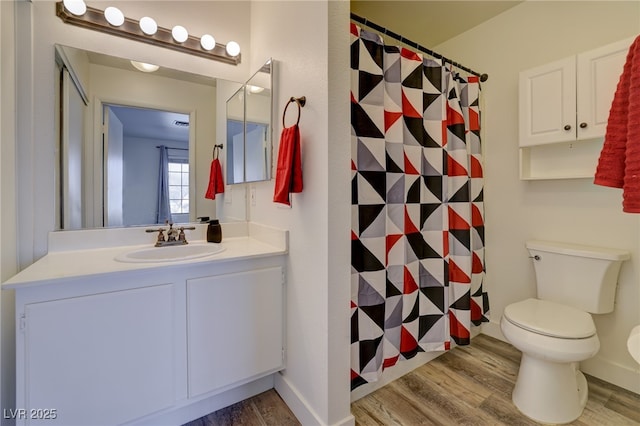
pixel 550 319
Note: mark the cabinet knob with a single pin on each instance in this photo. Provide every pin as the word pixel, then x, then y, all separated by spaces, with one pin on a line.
pixel 583 125
pixel 567 127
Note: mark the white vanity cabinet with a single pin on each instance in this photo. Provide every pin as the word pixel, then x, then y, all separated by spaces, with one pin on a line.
pixel 564 102
pixel 147 343
pixel 234 328
pixel 105 358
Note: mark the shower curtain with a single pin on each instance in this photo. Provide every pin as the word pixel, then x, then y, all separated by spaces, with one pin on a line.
pixel 417 241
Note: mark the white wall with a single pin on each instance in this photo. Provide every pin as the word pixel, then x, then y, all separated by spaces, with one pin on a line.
pixel 310 42
pixel 531 34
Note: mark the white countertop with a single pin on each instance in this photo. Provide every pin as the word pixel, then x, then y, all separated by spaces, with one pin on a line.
pixel 66 261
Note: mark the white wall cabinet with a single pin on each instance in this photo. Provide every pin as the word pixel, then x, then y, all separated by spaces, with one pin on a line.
pixel 564 102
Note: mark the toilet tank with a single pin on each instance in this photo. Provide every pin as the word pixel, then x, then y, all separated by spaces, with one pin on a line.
pixel 584 277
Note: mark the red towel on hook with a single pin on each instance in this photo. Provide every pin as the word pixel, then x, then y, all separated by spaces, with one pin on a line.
pixel 289 168
pixel 216 184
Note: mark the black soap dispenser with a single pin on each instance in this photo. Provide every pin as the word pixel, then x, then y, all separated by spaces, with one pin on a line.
pixel 214 231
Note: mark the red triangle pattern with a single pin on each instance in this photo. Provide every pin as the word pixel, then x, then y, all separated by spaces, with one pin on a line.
pixel 353 166
pixel 476 217
pixel 409 54
pixel 354 29
pixel 476 312
pixel 353 236
pixel 409 226
pixel 390 362
pixel 353 99
pixel 445 244
pixel 476 264
pixel 407 109
pixel 354 375
pixel 456 221
pixel 390 118
pixel 407 342
pixel 353 305
pixel 454 117
pixel 409 169
pixel 474 120
pixel 476 168
pixel 390 241
pixel 454 168
pixel 457 329
pixel 444 133
pixel 456 274
pixel 410 284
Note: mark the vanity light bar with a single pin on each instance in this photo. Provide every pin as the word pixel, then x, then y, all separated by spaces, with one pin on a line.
pixel 94 19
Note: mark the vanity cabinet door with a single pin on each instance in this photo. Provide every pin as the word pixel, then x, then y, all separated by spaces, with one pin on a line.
pixel 235 328
pixel 101 359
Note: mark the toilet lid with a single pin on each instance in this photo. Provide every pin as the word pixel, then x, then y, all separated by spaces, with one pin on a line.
pixel 550 319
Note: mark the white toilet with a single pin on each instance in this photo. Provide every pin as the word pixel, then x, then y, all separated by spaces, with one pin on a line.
pixel 555 331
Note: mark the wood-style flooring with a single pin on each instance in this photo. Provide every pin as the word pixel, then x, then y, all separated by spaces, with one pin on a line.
pixel 469 385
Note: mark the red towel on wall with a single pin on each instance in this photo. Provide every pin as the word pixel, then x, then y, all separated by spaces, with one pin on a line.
pixel 289 168
pixel 619 163
pixel 216 184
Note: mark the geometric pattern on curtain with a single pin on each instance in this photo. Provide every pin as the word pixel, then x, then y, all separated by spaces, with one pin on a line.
pixel 417 239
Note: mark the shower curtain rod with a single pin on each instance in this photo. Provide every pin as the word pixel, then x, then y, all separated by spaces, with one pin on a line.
pixel 383 30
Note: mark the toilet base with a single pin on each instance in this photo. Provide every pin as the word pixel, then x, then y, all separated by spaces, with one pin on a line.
pixel 550 392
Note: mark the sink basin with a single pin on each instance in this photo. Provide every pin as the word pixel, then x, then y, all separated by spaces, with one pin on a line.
pixel 170 253
pixel 633 344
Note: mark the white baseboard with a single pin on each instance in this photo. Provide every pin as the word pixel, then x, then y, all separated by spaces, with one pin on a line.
pixel 492 329
pixel 300 407
pixel 611 372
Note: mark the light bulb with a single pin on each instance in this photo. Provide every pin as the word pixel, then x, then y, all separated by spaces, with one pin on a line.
pixel 179 33
pixel 207 42
pixel 148 25
pixel 76 7
pixel 144 67
pixel 233 48
pixel 114 16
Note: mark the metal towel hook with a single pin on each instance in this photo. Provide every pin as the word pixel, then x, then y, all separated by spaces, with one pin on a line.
pixel 301 101
pixel 536 257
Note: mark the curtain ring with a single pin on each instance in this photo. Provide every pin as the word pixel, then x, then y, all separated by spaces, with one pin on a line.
pixel 300 102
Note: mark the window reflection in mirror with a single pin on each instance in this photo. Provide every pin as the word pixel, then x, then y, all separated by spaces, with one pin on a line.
pixel 147 166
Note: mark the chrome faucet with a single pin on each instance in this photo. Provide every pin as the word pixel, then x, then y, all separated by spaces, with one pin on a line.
pixel 174 236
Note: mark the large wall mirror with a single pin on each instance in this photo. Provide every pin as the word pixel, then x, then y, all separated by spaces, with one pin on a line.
pixel 249 129
pixel 124 133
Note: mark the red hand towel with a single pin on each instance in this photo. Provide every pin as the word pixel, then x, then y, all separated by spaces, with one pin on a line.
pixel 289 169
pixel 216 184
pixel 619 163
